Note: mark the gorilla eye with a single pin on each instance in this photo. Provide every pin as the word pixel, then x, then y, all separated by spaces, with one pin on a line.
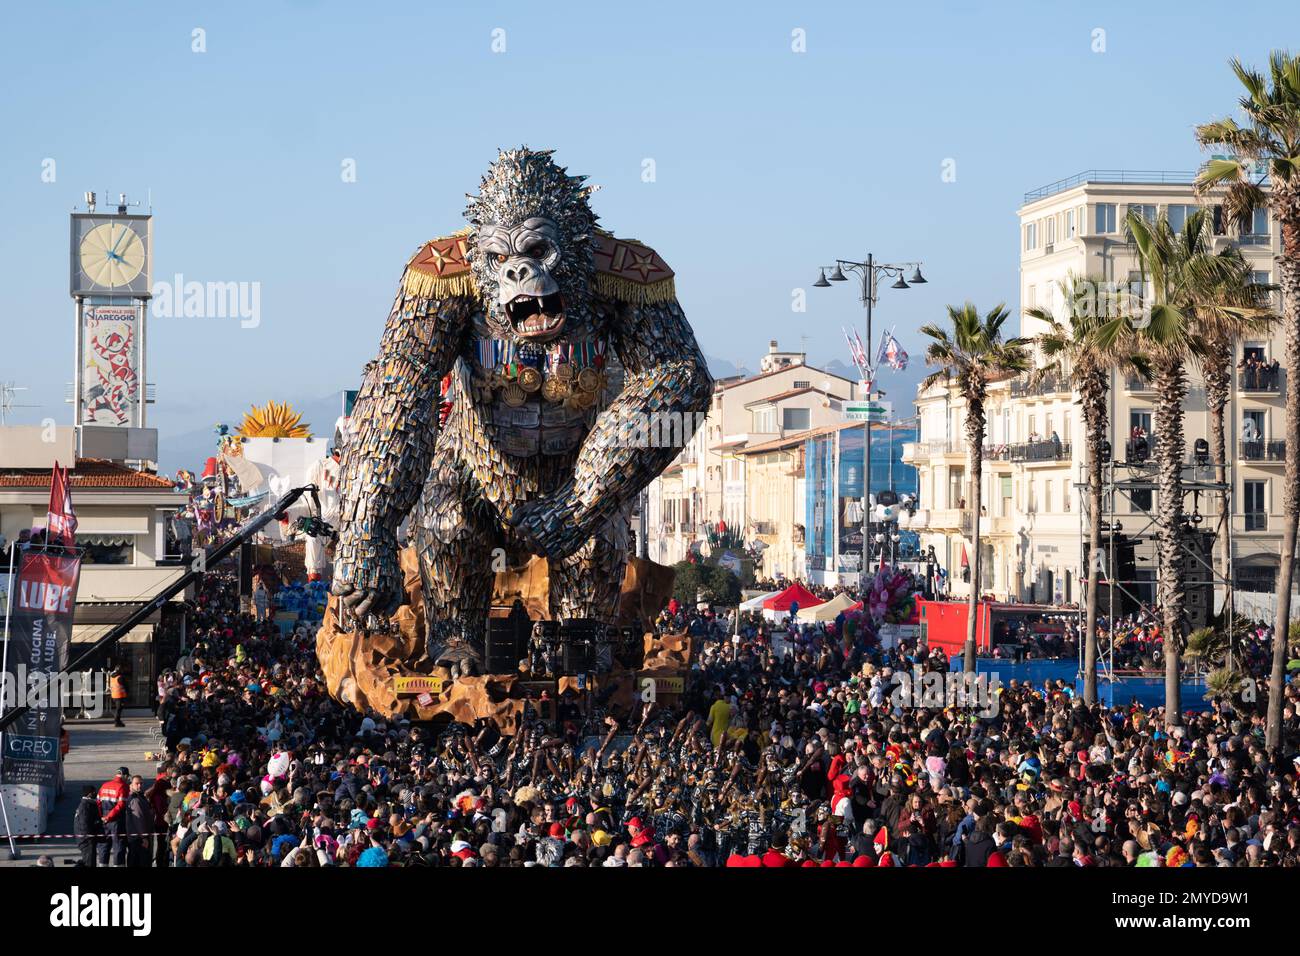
pixel 500 257
pixel 537 250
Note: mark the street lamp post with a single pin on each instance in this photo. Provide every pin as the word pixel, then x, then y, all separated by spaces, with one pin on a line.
pixel 870 272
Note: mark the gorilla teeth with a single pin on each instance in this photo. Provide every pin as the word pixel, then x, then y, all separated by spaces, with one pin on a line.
pixel 542 323
pixel 532 314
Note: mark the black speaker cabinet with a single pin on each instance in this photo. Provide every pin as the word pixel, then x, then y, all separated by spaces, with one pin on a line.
pixel 580 640
pixel 506 641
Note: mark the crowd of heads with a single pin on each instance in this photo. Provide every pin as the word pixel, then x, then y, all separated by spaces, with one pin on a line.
pixel 785 749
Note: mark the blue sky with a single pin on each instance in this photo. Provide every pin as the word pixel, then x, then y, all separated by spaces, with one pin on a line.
pixel 768 162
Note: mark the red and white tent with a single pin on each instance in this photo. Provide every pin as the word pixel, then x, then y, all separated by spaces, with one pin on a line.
pixel 777 607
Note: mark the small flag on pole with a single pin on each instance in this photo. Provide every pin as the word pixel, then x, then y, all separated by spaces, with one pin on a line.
pixel 891 352
pixel 61 520
pixel 856 352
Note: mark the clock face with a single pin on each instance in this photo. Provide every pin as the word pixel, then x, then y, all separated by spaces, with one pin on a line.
pixel 110 255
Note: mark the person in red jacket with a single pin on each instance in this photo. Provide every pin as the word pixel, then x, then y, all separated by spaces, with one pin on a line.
pixel 112 803
pixel 775 856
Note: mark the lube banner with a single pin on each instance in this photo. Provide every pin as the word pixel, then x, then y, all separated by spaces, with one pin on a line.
pixel 43 598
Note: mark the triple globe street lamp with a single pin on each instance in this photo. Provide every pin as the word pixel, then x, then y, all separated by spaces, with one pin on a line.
pixel 870 273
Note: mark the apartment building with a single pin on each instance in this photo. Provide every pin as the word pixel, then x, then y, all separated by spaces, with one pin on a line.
pixel 125 533
pixel 1034 447
pixel 707 483
pixel 774 502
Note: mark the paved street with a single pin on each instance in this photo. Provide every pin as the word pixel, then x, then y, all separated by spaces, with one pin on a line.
pixel 98 748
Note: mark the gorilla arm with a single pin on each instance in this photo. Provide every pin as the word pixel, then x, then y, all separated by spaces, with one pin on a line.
pixel 386 459
pixel 666 375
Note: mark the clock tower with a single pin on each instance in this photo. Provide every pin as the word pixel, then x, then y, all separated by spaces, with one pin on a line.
pixel 111 268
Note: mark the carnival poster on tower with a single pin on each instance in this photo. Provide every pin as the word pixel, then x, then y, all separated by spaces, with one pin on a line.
pixel 110 383
pixel 40 628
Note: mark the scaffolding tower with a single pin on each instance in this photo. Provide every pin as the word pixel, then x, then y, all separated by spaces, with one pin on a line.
pixel 1134 480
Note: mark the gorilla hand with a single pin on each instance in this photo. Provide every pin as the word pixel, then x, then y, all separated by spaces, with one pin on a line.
pixel 367 578
pixel 550 526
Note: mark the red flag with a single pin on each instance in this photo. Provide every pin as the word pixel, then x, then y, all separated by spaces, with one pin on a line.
pixel 61 521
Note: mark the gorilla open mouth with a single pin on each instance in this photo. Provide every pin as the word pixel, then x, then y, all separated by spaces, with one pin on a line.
pixel 536 317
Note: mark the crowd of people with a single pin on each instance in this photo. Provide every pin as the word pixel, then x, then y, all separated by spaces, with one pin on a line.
pixel 1258 373
pixel 782 751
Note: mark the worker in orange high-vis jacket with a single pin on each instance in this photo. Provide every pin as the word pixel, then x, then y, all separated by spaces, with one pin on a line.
pixel 117 690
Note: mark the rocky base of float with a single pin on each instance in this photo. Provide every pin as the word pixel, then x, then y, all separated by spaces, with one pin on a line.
pixel 384 671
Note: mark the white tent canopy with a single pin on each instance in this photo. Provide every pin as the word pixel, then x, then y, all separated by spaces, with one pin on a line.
pixel 756 603
pixel 828 611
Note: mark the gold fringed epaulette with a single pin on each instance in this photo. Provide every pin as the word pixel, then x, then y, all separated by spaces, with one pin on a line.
pixel 626 270
pixel 631 271
pixel 440 269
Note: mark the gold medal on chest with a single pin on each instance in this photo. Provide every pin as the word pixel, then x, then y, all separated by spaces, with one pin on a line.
pixel 530 379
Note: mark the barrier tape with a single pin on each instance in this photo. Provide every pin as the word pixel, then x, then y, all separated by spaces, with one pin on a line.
pixel 76 836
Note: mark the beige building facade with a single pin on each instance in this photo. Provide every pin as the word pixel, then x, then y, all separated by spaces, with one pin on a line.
pixel 709 482
pixel 1030 504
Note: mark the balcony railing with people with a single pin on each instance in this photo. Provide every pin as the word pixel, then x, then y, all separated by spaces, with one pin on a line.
pixel 1261 450
pixel 1036 451
pixel 1259 377
pixel 1047 385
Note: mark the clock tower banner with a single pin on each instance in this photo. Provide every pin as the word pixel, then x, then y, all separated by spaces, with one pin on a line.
pixel 110 360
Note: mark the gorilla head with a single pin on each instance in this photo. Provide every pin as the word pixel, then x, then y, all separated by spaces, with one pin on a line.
pixel 531 248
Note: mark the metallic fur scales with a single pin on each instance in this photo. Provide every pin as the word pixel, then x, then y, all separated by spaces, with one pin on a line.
pixel 538 334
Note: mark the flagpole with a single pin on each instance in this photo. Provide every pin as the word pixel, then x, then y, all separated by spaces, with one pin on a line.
pixel 4 676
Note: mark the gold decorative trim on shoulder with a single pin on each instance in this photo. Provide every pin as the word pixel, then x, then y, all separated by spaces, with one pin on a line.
pixel 626 270
pixel 631 271
pixel 440 269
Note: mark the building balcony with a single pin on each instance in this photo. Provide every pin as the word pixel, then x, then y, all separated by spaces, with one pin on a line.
pixel 1260 380
pixel 920 450
pixel 950 519
pixel 1039 452
pixel 1263 452
pixel 1025 387
pixel 998 524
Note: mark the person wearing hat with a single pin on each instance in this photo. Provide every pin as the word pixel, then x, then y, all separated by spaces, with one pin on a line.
pixel 118 693
pixel 112 804
pixel 88 826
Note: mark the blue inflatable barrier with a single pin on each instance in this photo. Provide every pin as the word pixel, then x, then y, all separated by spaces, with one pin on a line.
pixel 1149 691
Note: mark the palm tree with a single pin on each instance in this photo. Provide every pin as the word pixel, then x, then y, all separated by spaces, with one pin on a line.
pixel 970 354
pixel 1180 273
pixel 1231 309
pixel 1073 350
pixel 1271 139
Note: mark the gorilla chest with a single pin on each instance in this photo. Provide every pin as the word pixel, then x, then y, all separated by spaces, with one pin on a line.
pixel 536 427
pixel 539 400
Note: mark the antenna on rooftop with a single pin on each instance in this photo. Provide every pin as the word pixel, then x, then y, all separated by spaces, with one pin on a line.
pixel 7 404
